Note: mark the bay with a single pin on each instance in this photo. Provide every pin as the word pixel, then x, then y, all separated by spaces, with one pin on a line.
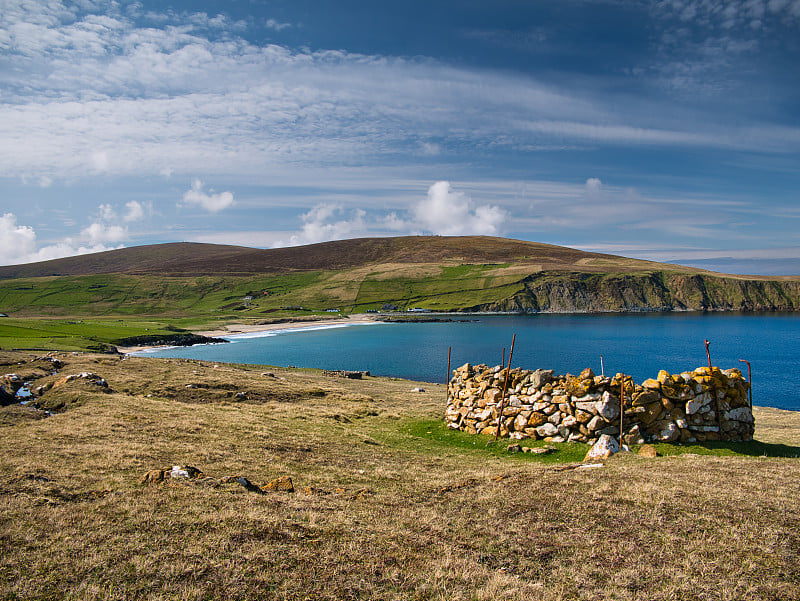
pixel 636 344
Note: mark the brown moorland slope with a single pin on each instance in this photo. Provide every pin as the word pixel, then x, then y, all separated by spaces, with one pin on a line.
pixel 193 259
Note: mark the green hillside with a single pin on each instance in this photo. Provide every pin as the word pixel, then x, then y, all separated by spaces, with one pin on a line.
pixel 163 288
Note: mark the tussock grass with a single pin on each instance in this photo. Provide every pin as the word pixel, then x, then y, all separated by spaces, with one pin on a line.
pixel 388 505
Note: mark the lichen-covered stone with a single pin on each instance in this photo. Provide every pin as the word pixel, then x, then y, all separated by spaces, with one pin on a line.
pixel 692 406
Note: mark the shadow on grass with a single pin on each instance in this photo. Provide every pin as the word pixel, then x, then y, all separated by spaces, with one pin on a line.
pixel 753 448
pixel 439 438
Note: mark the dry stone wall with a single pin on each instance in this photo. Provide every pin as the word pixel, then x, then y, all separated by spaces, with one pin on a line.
pixel 702 405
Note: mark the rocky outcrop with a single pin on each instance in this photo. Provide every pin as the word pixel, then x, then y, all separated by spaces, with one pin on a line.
pixel 568 292
pixel 703 405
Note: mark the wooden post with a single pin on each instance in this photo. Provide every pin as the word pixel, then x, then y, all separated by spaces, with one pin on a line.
pixel 505 387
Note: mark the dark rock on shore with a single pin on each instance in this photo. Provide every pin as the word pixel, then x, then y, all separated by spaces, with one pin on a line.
pixel 181 339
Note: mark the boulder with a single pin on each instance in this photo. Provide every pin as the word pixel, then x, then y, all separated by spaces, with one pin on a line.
pixel 605 447
pixel 649 451
pixel 608 407
pixel 153 477
pixel 284 483
pixel 547 429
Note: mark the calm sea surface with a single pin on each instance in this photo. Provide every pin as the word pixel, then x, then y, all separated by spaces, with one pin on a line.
pixel 638 344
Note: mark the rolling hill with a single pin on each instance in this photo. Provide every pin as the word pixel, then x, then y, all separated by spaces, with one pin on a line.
pixel 467 273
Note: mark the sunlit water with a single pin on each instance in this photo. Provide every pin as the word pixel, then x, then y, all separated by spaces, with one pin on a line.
pixel 637 344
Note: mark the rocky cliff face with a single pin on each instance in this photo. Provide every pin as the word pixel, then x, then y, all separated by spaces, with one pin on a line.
pixel 557 292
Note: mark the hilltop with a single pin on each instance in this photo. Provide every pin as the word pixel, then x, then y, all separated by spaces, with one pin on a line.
pixel 162 289
pixel 188 259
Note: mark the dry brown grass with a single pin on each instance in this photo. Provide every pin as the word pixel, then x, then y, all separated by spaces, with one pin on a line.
pixel 386 515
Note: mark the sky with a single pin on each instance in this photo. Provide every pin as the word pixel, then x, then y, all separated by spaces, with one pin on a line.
pixel 664 130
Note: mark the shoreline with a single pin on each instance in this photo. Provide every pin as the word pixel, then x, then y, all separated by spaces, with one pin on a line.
pixel 234 329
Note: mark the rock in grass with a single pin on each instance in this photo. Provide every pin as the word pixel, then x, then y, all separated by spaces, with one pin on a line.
pixel 153 477
pixel 648 451
pixel 284 483
pixel 605 447
pixel 183 472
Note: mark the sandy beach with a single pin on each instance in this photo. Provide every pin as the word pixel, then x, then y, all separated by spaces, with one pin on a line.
pixel 247 328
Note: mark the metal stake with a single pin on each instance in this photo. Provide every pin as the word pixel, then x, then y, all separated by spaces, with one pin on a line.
pixel 708 354
pixel 749 380
pixel 447 382
pixel 621 406
pixel 505 387
pixel 602 368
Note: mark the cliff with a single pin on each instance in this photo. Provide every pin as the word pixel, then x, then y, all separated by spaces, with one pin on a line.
pixel 574 292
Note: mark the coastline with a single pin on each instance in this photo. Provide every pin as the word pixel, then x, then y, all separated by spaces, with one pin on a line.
pixel 244 328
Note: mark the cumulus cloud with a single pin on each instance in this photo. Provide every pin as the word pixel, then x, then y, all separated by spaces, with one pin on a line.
pixel 449 212
pixel 18 243
pixel 98 232
pixel 329 222
pixel 134 211
pixel 444 211
pixel 211 202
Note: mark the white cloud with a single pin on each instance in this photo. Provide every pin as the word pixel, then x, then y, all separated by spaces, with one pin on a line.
pixel 593 188
pixel 17 242
pixel 277 26
pixel 448 212
pixel 211 202
pixel 329 222
pixel 443 211
pixel 134 211
pixel 101 94
pixel 98 233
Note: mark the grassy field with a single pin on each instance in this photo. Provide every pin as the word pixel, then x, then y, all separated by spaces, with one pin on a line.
pixel 388 504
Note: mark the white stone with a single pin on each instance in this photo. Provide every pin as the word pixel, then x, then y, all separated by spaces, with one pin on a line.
pixel 547 429
pixel 670 434
pixel 608 407
pixel 606 446
pixel 596 423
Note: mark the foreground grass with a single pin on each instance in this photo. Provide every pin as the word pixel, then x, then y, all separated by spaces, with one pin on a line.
pixel 388 503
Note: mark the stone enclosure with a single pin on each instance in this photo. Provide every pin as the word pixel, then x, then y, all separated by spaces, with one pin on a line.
pixel 702 405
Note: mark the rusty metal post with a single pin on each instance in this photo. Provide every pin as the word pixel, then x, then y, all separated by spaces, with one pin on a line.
pixel 505 388
pixel 621 407
pixel 749 380
pixel 708 354
pixel 449 375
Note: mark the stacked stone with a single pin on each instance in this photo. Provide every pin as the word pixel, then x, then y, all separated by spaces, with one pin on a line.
pixel 703 405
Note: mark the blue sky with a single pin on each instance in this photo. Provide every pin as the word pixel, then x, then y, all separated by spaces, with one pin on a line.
pixel 665 130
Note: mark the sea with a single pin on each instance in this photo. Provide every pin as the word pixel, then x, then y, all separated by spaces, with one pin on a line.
pixel 637 344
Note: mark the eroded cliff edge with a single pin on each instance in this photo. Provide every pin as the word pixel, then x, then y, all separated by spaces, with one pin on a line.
pixel 574 292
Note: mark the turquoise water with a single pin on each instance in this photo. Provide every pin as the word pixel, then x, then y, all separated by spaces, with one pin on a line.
pixel 637 344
